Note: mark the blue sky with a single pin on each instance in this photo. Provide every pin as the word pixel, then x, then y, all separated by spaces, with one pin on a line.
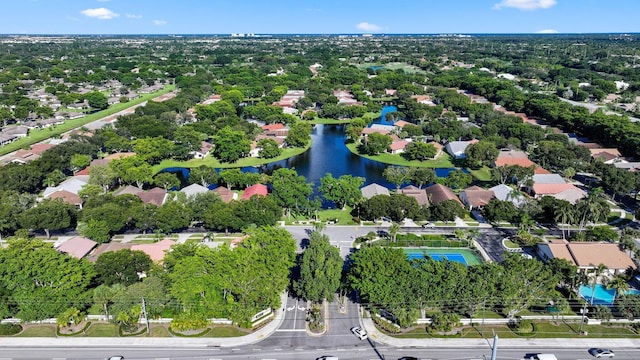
pixel 316 16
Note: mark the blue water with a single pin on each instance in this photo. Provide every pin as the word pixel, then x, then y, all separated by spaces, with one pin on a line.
pixel 382 119
pixel 413 255
pixel 601 295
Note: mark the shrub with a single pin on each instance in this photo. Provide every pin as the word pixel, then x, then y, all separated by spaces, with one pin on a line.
pixel 386 325
pixel 521 326
pixel 444 321
pixel 10 329
pixel 193 321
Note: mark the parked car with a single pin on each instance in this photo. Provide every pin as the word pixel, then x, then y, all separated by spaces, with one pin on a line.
pixel 359 332
pixel 115 358
pixel 327 357
pixel 408 358
pixel 540 357
pixel 429 225
pixel 600 352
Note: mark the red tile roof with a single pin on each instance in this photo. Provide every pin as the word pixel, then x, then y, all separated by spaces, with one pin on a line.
pixel 156 251
pixel 273 127
pixel 438 193
pixel 40 148
pixel 257 189
pixel 539 170
pixel 550 189
pixel 66 196
pixel 154 196
pixel 225 194
pixel 77 247
pixel 524 162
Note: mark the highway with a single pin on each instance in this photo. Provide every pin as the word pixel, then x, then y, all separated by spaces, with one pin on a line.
pixel 364 351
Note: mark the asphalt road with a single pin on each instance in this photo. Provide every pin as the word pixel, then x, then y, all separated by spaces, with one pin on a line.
pixel 261 353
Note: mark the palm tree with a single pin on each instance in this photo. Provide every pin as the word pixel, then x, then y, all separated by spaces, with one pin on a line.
pixel 597 271
pixel 620 284
pixel 393 231
pixel 564 214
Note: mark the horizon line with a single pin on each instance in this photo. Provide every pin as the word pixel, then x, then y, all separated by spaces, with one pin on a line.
pixel 318 34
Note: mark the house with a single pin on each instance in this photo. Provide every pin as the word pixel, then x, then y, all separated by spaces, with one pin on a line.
pixel 397 147
pixel 588 255
pixel 156 251
pixel 67 197
pixel 372 190
pixel 438 193
pixel 77 247
pixel 155 196
pixel 419 194
pixel 254 190
pixel 476 197
pixel 401 124
pixel 275 130
pixel 572 194
pixel 72 185
pixel 548 184
pixel 127 190
pixel 423 99
pixel 438 147
pixel 390 92
pixel 226 194
pixel 193 190
pixel 608 156
pixel 211 99
pixel 513 157
pixel 205 148
pixel 457 148
pixel 506 193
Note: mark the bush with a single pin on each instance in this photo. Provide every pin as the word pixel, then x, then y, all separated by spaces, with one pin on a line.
pixel 10 329
pixel 185 321
pixel 386 326
pixel 522 327
pixel 444 322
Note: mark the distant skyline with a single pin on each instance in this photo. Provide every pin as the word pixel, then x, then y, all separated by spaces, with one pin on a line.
pixel 318 16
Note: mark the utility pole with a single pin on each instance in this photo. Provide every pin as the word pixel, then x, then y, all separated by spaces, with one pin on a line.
pixel 584 312
pixel 144 313
pixel 494 350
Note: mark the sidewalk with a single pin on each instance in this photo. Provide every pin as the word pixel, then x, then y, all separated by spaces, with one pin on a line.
pixel 374 334
pixel 249 339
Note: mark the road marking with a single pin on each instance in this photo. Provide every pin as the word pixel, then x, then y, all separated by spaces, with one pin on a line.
pixel 277 349
pixel 257 349
pixel 290 330
pixel 299 349
pixel 215 359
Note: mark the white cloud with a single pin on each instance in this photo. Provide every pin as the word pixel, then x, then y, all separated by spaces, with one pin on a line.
pixel 547 31
pixel 133 16
pixel 159 22
pixel 365 26
pixel 100 13
pixel 525 4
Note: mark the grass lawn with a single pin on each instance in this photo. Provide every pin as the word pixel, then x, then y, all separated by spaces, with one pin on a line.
pixel 39 331
pixel 213 162
pixel 542 330
pixel 510 244
pixel 344 216
pixel 327 121
pixel 410 69
pixel 482 174
pixel 160 331
pixel 443 161
pixel 226 331
pixel 102 330
pixel 38 135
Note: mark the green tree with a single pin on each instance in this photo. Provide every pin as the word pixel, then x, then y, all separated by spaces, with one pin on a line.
pixel 153 149
pixel 422 176
pixel 344 191
pixel 299 134
pixel 49 215
pixel 290 190
pixel 166 180
pixel 79 162
pixel 102 175
pixel 203 175
pixel 269 148
pixel 230 145
pixel 97 100
pixel 416 150
pixel 41 281
pixel 447 210
pixel 375 144
pixel 320 269
pixel 458 179
pixel 97 230
pixel 482 153
pixel 397 175
pixel 122 267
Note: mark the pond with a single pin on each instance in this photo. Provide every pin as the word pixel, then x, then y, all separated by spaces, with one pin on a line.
pixel 328 154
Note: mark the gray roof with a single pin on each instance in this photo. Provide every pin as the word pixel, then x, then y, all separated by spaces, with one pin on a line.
pixel 548 179
pixel 374 189
pixel 457 148
pixel 72 185
pixel 503 192
pixel 194 189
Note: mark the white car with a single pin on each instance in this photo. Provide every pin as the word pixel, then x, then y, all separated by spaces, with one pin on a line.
pixel 115 358
pixel 359 332
pixel 600 353
pixel 429 225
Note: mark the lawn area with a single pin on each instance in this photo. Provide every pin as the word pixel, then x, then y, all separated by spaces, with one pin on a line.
pixel 38 331
pixel 102 330
pixel 213 162
pixel 226 331
pixel 410 69
pixel 482 174
pixel 510 244
pixel 160 331
pixel 38 135
pixel 344 216
pixel 542 330
pixel 327 121
pixel 443 161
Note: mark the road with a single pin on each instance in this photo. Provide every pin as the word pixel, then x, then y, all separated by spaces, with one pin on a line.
pixel 259 352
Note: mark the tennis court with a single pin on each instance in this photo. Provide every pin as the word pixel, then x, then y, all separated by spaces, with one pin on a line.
pixel 462 255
